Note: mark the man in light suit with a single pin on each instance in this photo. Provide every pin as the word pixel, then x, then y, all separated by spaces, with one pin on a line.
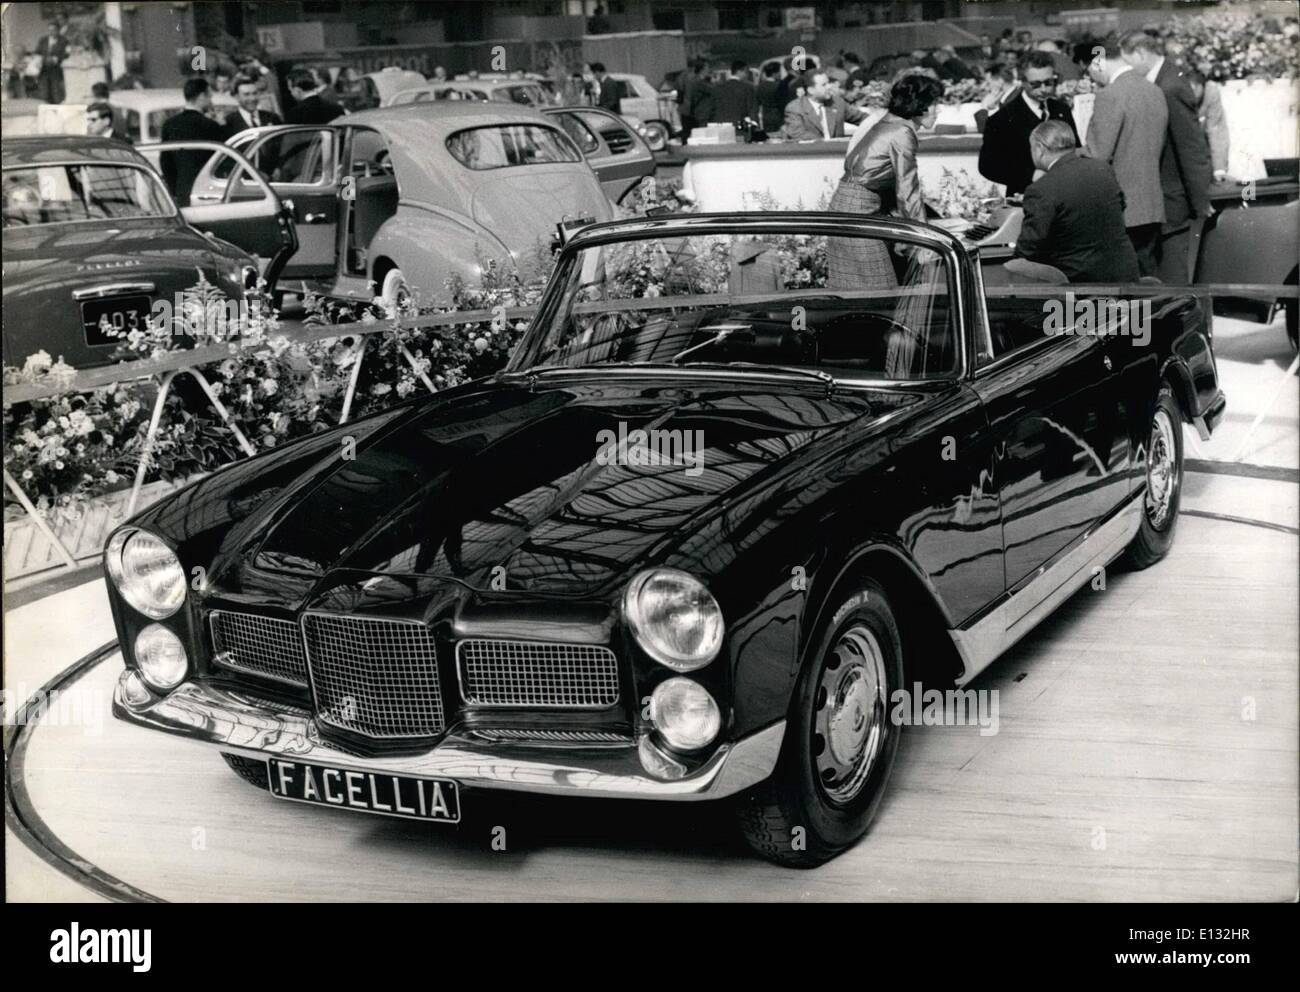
pixel 819 114
pixel 1185 170
pixel 1127 130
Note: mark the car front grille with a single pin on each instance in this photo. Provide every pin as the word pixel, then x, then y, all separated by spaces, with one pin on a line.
pixel 536 674
pixel 619 141
pixel 374 677
pixel 259 646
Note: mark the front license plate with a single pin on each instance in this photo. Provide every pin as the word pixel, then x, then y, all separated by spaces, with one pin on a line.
pixel 369 792
pixel 122 314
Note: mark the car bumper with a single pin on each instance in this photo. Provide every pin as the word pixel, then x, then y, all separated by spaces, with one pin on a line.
pixel 255 728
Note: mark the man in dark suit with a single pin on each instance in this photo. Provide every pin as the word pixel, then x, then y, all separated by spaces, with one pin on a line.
pixel 735 97
pixel 771 98
pixel 1004 155
pixel 180 168
pixel 309 106
pixel 1185 169
pixel 248 94
pixel 1127 130
pixel 696 98
pixel 53 49
pixel 606 92
pixel 819 114
pixel 1074 212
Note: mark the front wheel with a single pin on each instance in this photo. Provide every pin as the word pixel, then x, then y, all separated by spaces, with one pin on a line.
pixel 840 744
pixel 1164 484
pixel 656 135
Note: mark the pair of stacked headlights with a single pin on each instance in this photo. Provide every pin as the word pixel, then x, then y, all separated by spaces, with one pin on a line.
pixel 673 617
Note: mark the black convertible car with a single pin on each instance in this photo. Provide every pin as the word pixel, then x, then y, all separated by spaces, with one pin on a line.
pixel 744 479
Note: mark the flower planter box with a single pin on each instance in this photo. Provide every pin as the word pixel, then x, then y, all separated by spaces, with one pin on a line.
pixel 28 552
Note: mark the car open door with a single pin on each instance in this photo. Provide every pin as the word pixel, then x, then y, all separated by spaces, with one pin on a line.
pixel 301 164
pixel 258 222
pixel 618 155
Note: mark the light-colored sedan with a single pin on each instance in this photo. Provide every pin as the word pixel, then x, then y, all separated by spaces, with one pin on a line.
pixel 397 200
pixel 525 92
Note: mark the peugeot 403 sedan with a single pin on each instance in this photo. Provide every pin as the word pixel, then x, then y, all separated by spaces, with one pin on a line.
pixel 689 544
pixel 93 241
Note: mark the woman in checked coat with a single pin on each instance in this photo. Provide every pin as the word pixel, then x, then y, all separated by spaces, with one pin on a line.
pixel 880 178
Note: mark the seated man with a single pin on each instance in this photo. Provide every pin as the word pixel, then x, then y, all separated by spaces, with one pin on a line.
pixel 1074 213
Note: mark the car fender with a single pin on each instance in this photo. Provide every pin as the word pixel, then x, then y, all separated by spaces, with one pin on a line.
pixel 430 246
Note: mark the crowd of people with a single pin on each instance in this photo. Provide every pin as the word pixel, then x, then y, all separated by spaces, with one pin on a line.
pixel 1117 204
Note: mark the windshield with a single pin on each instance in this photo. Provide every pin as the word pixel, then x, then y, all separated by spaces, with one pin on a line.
pixel 59 194
pixel 858 307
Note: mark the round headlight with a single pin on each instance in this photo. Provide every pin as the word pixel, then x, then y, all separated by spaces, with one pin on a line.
pixel 146 572
pixel 161 657
pixel 674 618
pixel 685 714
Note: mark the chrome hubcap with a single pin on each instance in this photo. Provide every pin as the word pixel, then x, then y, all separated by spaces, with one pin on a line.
pixel 849 728
pixel 1162 470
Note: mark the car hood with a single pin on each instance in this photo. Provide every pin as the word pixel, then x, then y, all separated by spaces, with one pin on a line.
pixel 546 491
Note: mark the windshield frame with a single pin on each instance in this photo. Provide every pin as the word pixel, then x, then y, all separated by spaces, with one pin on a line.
pixel 955 257
pixel 161 189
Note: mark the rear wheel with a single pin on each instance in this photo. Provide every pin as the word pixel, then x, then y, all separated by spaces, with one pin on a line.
pixel 250 770
pixel 1164 484
pixel 395 290
pixel 840 744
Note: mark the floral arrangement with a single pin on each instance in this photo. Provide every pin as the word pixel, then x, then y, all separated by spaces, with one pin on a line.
pixel 1232 45
pixel 960 195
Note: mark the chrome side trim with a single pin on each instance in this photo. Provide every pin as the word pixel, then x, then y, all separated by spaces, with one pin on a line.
pixel 980 644
pixel 205 714
pixel 112 289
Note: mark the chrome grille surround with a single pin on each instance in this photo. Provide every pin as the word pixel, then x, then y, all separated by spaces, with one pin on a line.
pixel 500 735
pixel 257 645
pixel 537 674
pixel 374 676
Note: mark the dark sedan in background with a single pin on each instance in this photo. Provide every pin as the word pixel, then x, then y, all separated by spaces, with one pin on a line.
pixel 689 545
pixel 93 240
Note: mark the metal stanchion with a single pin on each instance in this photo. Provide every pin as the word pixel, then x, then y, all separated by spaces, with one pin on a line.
pixel 41 522
pixel 1244 446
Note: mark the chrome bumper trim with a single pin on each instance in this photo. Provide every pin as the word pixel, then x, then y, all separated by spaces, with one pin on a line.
pixel 256 728
pixel 982 643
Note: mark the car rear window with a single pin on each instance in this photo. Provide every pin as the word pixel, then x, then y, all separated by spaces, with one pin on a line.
pixel 510 145
pixel 59 194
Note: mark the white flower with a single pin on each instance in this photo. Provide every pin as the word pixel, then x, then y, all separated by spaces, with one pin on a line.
pixel 27 474
pixel 269 386
pixel 480 345
pixel 58 464
pixel 110 476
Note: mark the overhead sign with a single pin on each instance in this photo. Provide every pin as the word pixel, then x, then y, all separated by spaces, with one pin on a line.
pixel 271 39
pixel 800 18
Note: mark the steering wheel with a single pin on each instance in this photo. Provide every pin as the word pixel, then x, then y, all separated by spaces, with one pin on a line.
pixel 887 326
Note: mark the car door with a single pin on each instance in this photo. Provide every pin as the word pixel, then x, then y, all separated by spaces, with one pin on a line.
pixel 301 164
pixel 258 222
pixel 1053 399
pixel 617 154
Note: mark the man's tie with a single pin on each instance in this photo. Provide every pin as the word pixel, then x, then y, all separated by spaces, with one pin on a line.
pixel 821 113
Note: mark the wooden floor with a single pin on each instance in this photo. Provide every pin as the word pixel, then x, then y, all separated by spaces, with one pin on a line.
pixel 1146 750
